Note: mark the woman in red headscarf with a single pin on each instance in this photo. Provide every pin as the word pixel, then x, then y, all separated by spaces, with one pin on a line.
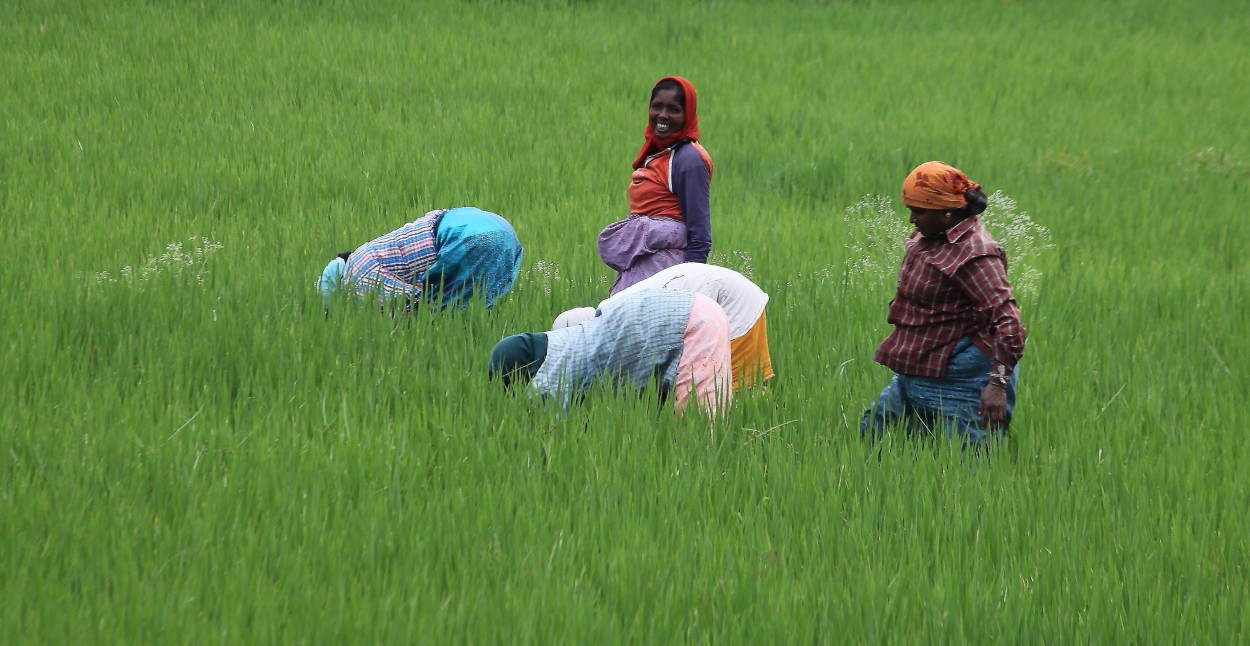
pixel 669 205
pixel 957 335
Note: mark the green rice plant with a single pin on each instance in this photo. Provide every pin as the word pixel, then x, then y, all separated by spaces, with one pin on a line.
pixel 198 454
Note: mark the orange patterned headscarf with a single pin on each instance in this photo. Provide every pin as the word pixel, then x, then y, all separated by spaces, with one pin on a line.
pixel 936 185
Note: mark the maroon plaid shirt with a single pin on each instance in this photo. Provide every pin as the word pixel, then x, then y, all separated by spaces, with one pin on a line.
pixel 952 286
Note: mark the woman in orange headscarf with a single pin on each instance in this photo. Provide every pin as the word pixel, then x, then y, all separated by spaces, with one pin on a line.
pixel 669 192
pixel 957 335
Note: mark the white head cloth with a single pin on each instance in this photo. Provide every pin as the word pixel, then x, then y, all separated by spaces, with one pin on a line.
pixel 575 316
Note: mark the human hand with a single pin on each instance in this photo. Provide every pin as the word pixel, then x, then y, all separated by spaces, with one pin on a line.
pixel 993 409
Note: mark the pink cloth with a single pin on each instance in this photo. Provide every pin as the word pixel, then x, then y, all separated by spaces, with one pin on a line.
pixel 706 367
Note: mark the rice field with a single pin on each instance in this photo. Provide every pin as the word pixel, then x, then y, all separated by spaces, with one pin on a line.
pixel 191 452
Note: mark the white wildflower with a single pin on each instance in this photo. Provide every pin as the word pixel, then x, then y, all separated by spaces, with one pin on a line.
pixel 874 239
pixel 737 260
pixel 545 273
pixel 875 234
pixel 1022 240
pixel 174 260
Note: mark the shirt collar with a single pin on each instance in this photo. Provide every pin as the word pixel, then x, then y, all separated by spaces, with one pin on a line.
pixel 962 229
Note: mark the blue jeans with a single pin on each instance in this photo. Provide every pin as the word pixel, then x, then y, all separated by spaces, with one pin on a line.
pixel 949 403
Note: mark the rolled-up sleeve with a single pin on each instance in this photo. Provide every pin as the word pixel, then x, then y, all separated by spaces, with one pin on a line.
pixel 984 280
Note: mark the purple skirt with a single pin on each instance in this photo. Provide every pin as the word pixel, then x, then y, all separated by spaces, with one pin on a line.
pixel 640 246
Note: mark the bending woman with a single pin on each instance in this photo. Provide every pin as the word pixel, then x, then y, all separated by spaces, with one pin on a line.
pixel 742 300
pixel 669 192
pixel 443 257
pixel 678 338
pixel 957 335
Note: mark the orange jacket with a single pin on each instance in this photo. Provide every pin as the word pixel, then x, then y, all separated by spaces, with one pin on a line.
pixel 651 188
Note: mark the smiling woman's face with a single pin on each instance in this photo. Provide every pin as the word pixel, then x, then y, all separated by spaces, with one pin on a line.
pixel 666 115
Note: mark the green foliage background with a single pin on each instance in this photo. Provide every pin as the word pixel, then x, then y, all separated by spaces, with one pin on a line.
pixel 201 457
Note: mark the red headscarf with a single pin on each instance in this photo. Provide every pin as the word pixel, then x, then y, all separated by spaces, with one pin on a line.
pixel 690 130
pixel 936 185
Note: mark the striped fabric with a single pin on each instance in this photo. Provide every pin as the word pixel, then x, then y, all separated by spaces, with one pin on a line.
pixel 742 300
pixel 394 265
pixel 949 287
pixel 634 340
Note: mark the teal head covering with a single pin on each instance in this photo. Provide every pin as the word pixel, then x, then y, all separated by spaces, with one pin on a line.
pixel 331 278
pixel 518 357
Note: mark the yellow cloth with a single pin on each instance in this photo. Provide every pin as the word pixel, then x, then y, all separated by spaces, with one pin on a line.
pixel 938 186
pixel 749 353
